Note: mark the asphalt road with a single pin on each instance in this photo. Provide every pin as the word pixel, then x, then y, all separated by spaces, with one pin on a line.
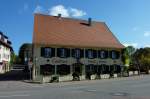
pixel 137 87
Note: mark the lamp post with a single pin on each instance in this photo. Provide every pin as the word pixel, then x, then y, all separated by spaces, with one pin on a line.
pixel 33 67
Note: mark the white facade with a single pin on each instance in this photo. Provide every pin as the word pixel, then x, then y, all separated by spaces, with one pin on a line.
pixel 5 53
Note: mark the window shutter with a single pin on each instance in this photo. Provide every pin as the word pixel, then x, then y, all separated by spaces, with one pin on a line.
pixel 42 51
pixel 86 53
pixel 106 54
pixel 68 52
pixel 73 53
pixel 65 52
pixel 95 53
pixel 53 52
pixel 118 54
pixel 110 54
pixel 81 53
pixel 99 54
pixel 58 52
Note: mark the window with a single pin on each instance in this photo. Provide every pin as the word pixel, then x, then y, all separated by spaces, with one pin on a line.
pixel 63 52
pixel 47 52
pixel 63 69
pixel 77 53
pixel 115 54
pixel 102 54
pixel 47 69
pixel 91 53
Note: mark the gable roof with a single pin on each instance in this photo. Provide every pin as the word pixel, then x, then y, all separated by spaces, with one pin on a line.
pixel 52 30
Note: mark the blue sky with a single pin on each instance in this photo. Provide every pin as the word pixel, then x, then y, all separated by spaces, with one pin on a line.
pixel 129 20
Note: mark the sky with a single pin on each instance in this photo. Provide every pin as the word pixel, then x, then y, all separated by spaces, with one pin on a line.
pixel 129 20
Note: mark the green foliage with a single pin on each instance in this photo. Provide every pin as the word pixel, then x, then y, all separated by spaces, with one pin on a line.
pixel 127 55
pixel 126 68
pixel 26 47
pixel 142 58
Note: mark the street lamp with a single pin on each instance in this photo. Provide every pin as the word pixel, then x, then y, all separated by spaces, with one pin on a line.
pixel 33 67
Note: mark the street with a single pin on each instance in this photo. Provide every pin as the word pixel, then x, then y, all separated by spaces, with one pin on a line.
pixel 137 87
pixel 15 74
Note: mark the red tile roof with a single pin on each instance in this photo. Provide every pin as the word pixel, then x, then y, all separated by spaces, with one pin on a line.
pixel 52 30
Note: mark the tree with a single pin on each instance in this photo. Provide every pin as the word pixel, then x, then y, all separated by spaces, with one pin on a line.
pixel 142 59
pixel 13 58
pixel 131 50
pixel 25 52
pixel 125 57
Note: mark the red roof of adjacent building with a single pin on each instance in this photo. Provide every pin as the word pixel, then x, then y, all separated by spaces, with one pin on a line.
pixel 53 30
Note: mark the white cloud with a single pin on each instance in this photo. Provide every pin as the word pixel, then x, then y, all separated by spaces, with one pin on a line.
pixel 66 12
pixel 147 33
pixel 39 9
pixel 76 12
pixel 147 45
pixel 59 9
pixel 131 44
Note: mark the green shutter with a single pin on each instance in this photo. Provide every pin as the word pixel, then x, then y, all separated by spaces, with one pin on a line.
pixel 42 51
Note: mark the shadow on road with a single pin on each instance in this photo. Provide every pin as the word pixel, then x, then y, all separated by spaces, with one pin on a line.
pixel 14 75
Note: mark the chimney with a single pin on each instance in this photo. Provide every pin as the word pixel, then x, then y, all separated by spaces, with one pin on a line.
pixel 59 16
pixel 90 21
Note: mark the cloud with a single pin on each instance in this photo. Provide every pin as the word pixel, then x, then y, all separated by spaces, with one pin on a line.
pixel 76 12
pixel 66 12
pixel 147 45
pixel 59 9
pixel 147 33
pixel 39 9
pixel 131 44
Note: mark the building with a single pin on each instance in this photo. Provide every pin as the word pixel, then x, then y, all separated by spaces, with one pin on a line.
pixel 5 53
pixel 66 46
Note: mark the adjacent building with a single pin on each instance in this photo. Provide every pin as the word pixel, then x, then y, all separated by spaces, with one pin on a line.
pixel 67 46
pixel 5 53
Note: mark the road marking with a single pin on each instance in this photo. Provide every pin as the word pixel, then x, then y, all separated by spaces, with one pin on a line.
pixel 19 95
pixel 91 90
